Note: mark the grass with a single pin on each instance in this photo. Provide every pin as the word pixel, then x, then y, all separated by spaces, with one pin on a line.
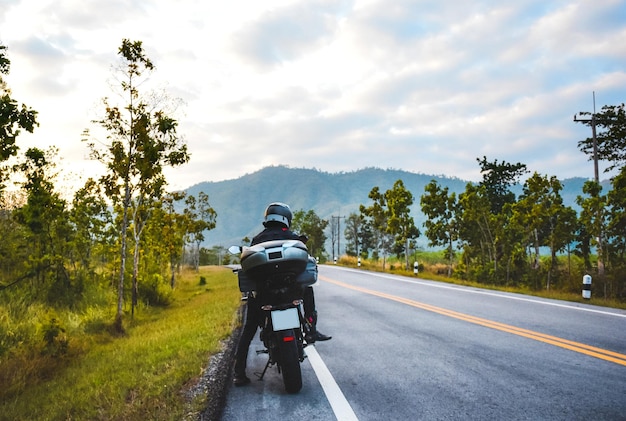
pixel 144 374
pixel 431 267
pixel 140 375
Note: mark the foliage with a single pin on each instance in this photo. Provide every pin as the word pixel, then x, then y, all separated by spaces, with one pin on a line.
pixel 610 127
pixel 145 374
pixel 310 224
pixel 400 223
pixel 13 118
pixel 142 140
pixel 356 235
pixel 389 219
pixel 375 217
pixel 200 217
pixel 498 177
pixel 440 208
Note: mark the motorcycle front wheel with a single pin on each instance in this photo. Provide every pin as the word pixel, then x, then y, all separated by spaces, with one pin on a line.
pixel 290 362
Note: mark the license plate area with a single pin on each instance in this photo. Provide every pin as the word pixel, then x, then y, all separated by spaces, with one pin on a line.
pixel 285 319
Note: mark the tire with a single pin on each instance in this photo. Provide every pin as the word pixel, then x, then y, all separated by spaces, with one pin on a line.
pixel 290 363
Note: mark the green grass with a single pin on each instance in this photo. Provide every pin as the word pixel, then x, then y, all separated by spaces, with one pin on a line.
pixel 432 268
pixel 138 376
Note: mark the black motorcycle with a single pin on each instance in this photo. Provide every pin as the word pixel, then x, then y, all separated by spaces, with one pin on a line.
pixel 277 273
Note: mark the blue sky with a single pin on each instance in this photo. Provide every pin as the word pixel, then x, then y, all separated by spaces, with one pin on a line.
pixel 422 86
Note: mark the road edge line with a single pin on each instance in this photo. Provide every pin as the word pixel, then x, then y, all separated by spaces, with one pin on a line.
pixel 338 402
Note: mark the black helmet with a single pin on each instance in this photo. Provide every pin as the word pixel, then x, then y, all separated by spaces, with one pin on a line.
pixel 278 212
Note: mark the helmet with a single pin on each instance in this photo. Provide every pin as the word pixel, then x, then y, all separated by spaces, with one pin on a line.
pixel 278 212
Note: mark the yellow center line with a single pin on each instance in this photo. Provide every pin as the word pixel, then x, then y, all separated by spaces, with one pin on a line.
pixel 592 351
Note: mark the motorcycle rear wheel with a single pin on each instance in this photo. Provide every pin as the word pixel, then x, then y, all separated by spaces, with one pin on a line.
pixel 290 366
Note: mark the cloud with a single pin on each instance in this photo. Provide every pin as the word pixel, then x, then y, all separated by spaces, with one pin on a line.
pixel 286 34
pixel 425 86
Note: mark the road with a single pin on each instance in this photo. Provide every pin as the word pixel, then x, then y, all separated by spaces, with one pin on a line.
pixel 410 349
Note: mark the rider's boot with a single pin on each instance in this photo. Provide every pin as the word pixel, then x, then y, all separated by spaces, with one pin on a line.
pixel 240 378
pixel 314 335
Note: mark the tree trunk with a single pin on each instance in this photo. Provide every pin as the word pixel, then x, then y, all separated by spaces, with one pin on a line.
pixel 120 287
pixel 135 275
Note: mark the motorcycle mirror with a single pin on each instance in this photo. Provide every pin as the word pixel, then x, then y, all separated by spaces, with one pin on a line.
pixel 234 249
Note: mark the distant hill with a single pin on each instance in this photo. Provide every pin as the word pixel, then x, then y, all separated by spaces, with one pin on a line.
pixel 240 202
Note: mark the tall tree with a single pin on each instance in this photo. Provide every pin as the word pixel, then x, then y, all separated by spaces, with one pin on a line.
pixel 593 217
pixel 201 218
pixel 478 228
pixel 352 233
pixel 13 118
pixel 310 224
pixel 610 125
pixel 142 140
pixel 498 177
pixel 166 232
pixel 45 217
pixel 545 217
pixel 440 208
pixel 376 219
pixel 400 222
pixel 616 228
pixel 90 217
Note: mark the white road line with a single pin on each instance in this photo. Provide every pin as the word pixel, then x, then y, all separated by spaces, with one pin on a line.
pixel 342 409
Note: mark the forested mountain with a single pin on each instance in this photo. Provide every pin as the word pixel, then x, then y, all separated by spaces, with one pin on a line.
pixel 240 203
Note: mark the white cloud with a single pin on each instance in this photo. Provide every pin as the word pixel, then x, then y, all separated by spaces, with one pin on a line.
pixel 337 85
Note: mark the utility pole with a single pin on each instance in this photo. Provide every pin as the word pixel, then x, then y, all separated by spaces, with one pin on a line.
pixel 592 120
pixel 338 232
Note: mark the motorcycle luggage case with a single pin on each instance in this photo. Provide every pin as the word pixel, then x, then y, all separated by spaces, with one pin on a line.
pixel 309 276
pixel 272 257
pixel 246 283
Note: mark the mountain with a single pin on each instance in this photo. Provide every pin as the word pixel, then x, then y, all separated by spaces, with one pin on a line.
pixel 240 202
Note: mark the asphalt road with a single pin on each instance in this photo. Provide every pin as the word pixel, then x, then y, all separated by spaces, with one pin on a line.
pixel 409 349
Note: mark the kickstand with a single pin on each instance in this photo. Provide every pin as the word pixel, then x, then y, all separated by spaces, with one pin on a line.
pixel 260 376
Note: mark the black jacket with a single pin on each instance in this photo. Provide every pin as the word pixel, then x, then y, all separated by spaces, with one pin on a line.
pixel 274 232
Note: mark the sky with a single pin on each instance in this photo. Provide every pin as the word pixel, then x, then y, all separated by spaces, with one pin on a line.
pixel 421 86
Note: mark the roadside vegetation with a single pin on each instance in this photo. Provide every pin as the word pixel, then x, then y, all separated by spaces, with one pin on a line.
pixel 74 365
pixel 491 236
pixel 433 265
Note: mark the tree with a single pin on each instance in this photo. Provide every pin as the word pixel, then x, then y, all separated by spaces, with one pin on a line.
pixel 400 223
pixel 440 208
pixel 45 218
pixel 13 118
pixel 477 227
pixel 376 218
pixel 593 217
pixel 142 140
pixel 353 233
pixel 90 217
pixel 610 126
pixel 546 217
pixel 170 229
pixel 310 224
pixel 616 227
pixel 497 180
pixel 201 217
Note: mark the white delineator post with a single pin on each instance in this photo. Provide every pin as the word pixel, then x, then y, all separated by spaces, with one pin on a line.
pixel 587 287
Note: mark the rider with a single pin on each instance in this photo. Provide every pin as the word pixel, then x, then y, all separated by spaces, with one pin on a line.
pixel 277 221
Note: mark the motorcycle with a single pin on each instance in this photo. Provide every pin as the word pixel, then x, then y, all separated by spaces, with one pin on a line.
pixel 277 272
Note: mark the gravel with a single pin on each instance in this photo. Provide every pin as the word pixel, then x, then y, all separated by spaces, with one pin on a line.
pixel 215 381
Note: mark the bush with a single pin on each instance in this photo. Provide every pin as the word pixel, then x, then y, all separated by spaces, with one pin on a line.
pixel 156 291
pixel 55 338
